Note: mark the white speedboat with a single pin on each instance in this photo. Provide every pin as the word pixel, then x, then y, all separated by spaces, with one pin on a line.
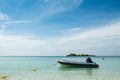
pixel 68 63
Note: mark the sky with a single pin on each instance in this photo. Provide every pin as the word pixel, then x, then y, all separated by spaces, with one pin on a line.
pixel 59 27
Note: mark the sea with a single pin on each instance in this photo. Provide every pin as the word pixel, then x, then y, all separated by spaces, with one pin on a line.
pixel 47 68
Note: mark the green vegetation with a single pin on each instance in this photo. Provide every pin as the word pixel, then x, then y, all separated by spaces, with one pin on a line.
pixel 73 54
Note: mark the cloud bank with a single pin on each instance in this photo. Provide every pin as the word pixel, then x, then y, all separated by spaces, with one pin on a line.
pixel 100 41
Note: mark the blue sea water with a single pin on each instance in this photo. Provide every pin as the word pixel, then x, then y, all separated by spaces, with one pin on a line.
pixel 47 68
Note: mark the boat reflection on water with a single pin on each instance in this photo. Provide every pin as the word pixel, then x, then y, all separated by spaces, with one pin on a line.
pixel 86 71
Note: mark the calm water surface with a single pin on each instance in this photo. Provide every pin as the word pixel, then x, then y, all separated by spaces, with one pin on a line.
pixel 47 68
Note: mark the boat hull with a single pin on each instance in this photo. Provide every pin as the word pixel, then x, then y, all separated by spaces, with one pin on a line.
pixel 74 64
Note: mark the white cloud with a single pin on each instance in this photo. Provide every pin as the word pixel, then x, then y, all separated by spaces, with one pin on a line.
pixel 98 33
pixel 5 21
pixel 17 45
pixel 2 28
pixel 5 24
pixel 74 29
pixel 100 41
pixel 3 16
pixel 59 6
pixel 17 22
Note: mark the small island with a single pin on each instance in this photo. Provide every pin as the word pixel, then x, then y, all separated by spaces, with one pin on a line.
pixel 74 54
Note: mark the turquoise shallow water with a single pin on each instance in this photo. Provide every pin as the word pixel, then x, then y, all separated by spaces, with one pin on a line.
pixel 47 68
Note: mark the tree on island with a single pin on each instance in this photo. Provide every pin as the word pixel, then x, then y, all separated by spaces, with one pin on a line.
pixel 74 54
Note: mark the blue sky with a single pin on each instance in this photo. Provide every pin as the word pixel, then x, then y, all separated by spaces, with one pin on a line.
pixel 59 27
